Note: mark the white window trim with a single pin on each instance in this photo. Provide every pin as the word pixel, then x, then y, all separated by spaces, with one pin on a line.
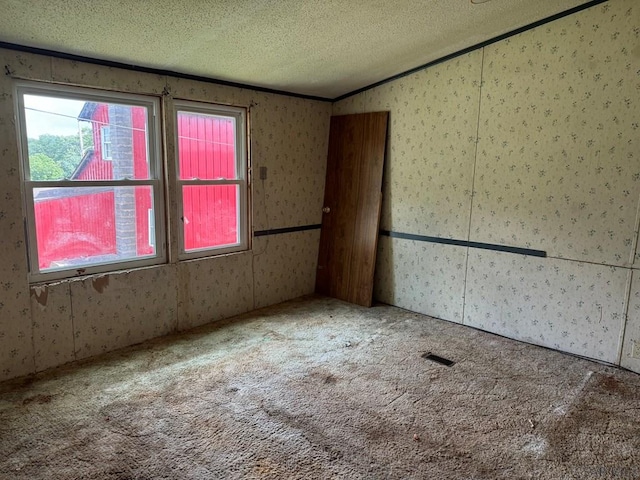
pixel 242 169
pixel 155 173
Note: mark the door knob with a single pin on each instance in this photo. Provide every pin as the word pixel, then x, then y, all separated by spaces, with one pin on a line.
pixel 326 209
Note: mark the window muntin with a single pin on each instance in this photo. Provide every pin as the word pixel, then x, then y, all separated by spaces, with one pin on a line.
pixel 87 213
pixel 212 178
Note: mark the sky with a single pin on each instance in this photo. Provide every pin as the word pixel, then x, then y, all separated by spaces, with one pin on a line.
pixel 62 119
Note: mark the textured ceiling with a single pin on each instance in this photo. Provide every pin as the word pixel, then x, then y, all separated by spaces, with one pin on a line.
pixel 315 47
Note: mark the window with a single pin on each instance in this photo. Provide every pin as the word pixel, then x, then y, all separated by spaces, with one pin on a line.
pixel 105 143
pixel 92 178
pixel 211 178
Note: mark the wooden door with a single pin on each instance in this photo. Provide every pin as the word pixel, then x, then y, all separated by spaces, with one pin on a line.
pixel 351 213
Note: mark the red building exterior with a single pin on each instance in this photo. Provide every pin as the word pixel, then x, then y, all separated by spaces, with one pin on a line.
pixel 107 223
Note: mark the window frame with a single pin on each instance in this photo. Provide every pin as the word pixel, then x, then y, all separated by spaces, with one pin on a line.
pixel 156 178
pixel 105 143
pixel 242 176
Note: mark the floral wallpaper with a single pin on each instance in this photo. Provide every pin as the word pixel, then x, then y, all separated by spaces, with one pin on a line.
pixel 558 170
pixel 284 266
pixel 433 119
pixel 558 165
pixel 214 288
pixel 422 277
pixel 432 135
pixel 46 325
pixel 113 311
pixel 637 259
pixel 576 307
pixel 290 137
pixel 631 348
pixel 542 128
pixel 16 329
pixel 77 73
pixel 53 335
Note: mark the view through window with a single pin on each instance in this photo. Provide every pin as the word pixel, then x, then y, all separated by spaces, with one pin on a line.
pixel 91 183
pixel 211 178
pixel 93 180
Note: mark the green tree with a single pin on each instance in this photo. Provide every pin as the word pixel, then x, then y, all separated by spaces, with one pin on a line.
pixel 44 168
pixel 87 137
pixel 64 150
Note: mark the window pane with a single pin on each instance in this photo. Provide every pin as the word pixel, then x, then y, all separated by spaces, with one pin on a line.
pixel 82 226
pixel 85 140
pixel 206 146
pixel 210 216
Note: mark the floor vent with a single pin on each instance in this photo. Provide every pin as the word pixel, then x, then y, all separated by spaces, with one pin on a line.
pixel 437 359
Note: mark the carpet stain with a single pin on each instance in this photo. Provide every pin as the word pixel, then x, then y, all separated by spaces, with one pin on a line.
pixel 611 384
pixel 39 399
pixel 221 402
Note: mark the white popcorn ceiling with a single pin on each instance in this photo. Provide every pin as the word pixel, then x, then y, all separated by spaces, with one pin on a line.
pixel 323 47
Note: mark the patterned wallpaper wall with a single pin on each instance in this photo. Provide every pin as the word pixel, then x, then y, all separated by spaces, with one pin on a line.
pixel 44 326
pixel 631 346
pixel 16 329
pixel 285 266
pixel 558 154
pixel 421 277
pixel 543 128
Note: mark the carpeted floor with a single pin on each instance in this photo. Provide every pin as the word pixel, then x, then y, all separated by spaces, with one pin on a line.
pixel 319 389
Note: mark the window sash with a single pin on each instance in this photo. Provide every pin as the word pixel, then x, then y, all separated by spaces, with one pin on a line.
pixel 241 166
pixel 152 106
pixel 89 183
pixel 63 92
pixel 211 182
pixel 96 260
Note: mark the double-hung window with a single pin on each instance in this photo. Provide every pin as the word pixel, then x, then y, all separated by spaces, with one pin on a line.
pixel 211 178
pixel 92 179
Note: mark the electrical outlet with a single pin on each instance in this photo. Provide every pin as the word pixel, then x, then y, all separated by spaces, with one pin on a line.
pixel 263 173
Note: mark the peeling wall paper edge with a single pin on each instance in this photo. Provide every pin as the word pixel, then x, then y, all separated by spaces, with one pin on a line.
pixel 100 283
pixel 41 294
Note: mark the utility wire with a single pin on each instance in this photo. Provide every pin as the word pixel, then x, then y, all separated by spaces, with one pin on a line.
pixel 109 124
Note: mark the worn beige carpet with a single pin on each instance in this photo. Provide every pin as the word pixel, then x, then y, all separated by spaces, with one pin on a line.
pixel 319 389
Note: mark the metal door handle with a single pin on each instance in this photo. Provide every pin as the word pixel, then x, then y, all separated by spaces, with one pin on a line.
pixel 326 209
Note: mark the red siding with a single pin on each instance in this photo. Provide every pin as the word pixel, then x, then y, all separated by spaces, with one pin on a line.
pixel 75 227
pixel 98 169
pixel 210 216
pixel 206 149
